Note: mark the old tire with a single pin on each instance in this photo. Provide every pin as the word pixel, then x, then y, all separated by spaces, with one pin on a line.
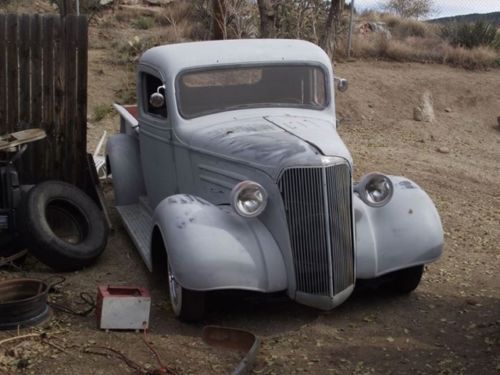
pixel 407 280
pixel 64 228
pixel 187 305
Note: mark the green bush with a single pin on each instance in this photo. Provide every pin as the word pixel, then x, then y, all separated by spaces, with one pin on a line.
pixel 101 111
pixel 144 23
pixel 496 42
pixel 470 35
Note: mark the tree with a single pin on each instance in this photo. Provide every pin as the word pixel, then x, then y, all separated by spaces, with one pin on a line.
pixel 331 25
pixel 267 18
pixel 410 8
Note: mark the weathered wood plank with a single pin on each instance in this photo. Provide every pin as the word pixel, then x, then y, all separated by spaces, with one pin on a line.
pixel 12 75
pixel 48 73
pixel 82 79
pixel 36 70
pixel 24 72
pixel 3 75
pixel 71 151
pixel 60 124
pixel 37 150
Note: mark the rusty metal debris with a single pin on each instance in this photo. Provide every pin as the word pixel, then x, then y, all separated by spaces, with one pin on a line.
pixel 234 339
pixel 23 303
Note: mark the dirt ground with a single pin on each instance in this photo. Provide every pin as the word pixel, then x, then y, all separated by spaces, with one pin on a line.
pixel 449 325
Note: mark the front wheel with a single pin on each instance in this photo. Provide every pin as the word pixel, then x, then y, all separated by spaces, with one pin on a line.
pixel 406 281
pixel 188 305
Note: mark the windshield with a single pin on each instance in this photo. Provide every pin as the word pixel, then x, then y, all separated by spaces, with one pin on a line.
pixel 203 92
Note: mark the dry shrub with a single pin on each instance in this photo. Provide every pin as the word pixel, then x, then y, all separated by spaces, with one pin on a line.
pixel 476 58
pixel 176 12
pixel 239 20
pixel 423 50
pixel 370 16
pixel 374 45
pixel 417 41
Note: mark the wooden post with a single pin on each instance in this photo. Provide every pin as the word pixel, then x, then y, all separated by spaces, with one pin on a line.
pixel 68 7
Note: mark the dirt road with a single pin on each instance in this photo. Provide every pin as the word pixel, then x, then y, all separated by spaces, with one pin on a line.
pixel 450 325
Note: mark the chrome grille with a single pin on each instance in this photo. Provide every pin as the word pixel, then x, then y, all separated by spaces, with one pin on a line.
pixel 317 201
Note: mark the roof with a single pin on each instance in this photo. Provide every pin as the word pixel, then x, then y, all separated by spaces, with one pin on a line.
pixel 173 58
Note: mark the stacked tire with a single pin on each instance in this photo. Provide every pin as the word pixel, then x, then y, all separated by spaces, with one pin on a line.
pixel 62 227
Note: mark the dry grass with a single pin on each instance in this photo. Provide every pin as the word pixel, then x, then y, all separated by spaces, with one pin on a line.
pixel 476 58
pixel 426 50
pixel 417 41
pixel 403 28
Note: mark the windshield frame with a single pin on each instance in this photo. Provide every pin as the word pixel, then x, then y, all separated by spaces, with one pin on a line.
pixel 312 64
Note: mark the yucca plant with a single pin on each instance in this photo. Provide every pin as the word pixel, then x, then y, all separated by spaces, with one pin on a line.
pixel 470 35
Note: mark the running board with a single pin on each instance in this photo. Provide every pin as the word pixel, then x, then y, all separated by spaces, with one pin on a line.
pixel 138 222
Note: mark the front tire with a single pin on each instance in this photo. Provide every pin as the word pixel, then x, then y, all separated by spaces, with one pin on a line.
pixel 406 281
pixel 187 305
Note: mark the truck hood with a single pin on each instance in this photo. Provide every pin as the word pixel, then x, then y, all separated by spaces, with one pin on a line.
pixel 272 143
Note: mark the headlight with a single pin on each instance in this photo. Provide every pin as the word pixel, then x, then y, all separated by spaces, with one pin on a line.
pixel 375 189
pixel 249 199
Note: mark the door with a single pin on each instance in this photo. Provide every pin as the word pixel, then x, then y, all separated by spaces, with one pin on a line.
pixel 155 135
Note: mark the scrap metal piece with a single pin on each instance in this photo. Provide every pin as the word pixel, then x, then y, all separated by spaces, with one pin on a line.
pixel 122 307
pixel 9 141
pixel 234 339
pixel 23 303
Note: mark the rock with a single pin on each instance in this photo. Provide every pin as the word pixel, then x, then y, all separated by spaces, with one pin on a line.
pixel 443 150
pixel 425 109
pixel 105 2
pixel 447 110
pixel 158 2
pixel 365 28
pixel 131 2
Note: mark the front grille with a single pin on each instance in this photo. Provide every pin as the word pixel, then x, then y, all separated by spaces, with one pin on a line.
pixel 318 208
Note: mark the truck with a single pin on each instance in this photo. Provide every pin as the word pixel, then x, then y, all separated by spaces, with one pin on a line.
pixel 229 174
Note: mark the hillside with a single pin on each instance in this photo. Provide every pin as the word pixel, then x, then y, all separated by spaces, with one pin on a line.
pixel 487 17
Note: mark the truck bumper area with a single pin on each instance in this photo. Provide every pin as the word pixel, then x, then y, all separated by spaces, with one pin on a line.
pixel 324 302
pixel 404 233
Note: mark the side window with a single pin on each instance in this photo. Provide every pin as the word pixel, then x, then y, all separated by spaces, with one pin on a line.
pixel 150 86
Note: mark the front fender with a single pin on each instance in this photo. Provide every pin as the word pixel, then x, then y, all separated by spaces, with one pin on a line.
pixel 211 247
pixel 404 233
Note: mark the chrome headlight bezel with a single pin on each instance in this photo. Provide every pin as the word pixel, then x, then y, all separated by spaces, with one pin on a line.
pixel 375 189
pixel 245 191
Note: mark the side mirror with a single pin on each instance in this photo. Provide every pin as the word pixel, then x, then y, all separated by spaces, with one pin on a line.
pixel 157 99
pixel 342 84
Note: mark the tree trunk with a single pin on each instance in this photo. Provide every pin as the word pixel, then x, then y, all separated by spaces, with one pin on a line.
pixel 328 39
pixel 219 19
pixel 267 19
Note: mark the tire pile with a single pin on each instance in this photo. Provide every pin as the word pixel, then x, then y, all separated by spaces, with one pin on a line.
pixel 60 225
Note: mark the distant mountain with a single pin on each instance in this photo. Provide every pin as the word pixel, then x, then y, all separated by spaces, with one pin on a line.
pixel 488 17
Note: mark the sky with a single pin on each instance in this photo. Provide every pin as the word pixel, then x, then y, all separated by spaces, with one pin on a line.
pixel 445 7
